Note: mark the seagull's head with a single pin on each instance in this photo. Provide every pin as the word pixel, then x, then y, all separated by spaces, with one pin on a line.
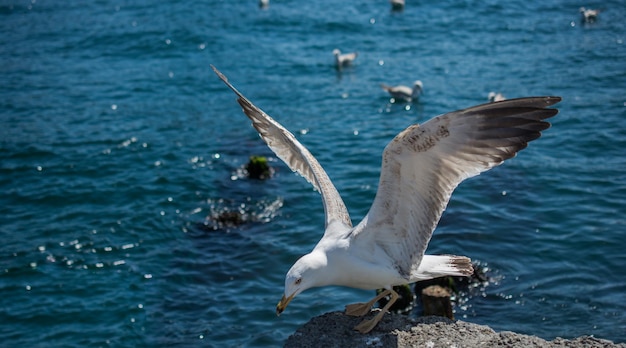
pixel 306 273
pixel 418 84
pixel 336 52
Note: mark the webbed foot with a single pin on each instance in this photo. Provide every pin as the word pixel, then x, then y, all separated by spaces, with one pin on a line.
pixel 358 309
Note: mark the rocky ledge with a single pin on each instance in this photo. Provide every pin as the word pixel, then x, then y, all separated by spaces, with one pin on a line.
pixel 334 329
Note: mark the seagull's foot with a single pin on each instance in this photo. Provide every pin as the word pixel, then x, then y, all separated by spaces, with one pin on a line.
pixel 368 324
pixel 358 309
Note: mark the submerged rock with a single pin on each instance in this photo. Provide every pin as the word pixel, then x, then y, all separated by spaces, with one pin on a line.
pixel 335 329
pixel 258 168
pixel 225 215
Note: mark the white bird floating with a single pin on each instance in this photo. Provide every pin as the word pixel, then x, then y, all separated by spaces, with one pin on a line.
pixel 404 92
pixel 495 97
pixel 343 60
pixel 421 167
pixel 397 5
pixel 588 15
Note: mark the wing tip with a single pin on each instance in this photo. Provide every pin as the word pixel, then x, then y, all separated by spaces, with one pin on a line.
pixel 551 100
pixel 462 264
pixel 219 73
pixel 241 98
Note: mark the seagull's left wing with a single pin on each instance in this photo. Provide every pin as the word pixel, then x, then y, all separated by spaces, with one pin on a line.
pixel 423 165
pixel 295 155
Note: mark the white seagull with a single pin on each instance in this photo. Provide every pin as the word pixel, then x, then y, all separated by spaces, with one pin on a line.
pixel 343 60
pixel 588 15
pixel 404 92
pixel 421 167
pixel 495 97
pixel 397 5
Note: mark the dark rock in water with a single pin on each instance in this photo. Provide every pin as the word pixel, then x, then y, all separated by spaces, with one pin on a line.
pixel 335 329
pixel 225 215
pixel 224 219
pixel 258 168
pixel 231 218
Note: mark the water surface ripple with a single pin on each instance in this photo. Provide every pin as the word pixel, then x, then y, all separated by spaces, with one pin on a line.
pixel 117 141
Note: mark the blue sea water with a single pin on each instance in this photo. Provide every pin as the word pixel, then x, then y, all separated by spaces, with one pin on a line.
pixel 117 142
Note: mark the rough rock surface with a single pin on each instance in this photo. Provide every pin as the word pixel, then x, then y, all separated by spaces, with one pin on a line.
pixel 335 329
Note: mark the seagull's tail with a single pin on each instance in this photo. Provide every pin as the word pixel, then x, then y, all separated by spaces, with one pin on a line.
pixel 433 266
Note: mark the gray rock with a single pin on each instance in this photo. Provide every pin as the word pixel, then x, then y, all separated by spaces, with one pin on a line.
pixel 335 329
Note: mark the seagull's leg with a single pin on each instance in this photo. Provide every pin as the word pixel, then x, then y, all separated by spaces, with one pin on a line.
pixel 367 325
pixel 360 309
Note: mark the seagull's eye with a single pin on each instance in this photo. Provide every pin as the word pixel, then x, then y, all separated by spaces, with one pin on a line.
pixel 298 281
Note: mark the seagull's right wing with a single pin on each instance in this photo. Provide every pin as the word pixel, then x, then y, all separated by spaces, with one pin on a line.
pixel 295 155
pixel 423 165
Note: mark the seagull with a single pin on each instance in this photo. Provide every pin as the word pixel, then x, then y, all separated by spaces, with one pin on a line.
pixel 421 167
pixel 404 92
pixel 343 60
pixel 264 4
pixel 397 5
pixel 495 97
pixel 588 15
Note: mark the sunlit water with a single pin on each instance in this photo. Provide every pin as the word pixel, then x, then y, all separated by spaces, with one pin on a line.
pixel 117 141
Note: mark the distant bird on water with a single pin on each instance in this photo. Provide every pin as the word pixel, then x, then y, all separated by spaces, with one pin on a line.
pixel 588 15
pixel 495 97
pixel 397 5
pixel 343 60
pixel 404 92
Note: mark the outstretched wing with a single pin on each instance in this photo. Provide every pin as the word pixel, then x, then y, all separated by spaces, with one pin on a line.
pixel 295 155
pixel 423 165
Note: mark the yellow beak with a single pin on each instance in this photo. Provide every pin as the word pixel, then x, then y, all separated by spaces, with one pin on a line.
pixel 280 307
